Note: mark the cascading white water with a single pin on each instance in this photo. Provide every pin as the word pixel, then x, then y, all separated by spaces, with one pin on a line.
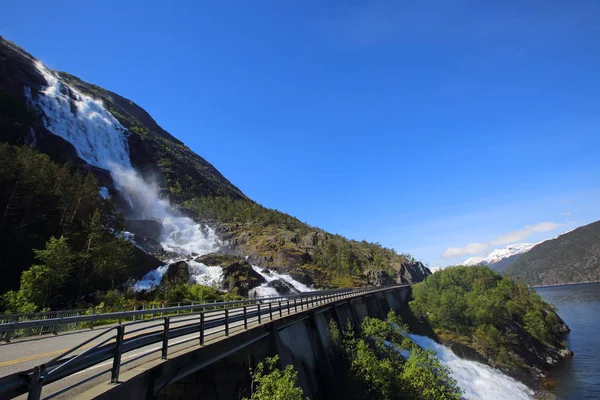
pixel 478 381
pixel 101 140
pixel 264 290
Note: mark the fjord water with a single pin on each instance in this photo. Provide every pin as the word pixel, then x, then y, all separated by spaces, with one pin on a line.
pixel 579 306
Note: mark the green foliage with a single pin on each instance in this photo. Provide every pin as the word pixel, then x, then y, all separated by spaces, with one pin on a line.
pixel 271 231
pixel 272 383
pixel 59 239
pixel 376 368
pixel 480 308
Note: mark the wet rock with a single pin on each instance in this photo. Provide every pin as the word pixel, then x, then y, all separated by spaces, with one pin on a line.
pixel 283 288
pixel 148 228
pixel 302 277
pixel 178 272
pixel 147 244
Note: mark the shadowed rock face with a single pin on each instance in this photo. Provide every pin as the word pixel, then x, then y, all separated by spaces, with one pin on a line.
pixel 412 272
pixel 146 228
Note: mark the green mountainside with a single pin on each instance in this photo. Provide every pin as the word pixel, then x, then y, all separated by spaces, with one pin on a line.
pixel 570 258
pixel 34 213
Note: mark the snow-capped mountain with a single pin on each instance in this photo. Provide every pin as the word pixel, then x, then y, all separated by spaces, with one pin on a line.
pixel 499 259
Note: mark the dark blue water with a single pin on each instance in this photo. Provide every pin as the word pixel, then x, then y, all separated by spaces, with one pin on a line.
pixel 579 306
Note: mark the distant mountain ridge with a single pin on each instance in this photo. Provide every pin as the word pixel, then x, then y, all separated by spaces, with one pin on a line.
pixel 499 259
pixel 569 258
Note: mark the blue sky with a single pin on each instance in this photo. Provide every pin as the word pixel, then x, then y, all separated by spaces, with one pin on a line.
pixel 443 129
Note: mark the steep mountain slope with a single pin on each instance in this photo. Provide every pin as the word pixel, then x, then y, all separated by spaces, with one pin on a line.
pixel 176 204
pixel 153 151
pixel 572 257
pixel 499 259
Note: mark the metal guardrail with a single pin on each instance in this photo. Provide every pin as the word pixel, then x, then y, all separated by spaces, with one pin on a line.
pixel 7 332
pixel 121 339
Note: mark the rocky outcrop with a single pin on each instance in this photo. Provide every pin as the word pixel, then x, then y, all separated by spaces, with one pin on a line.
pixel 147 228
pixel 237 272
pixel 283 288
pixel 178 272
pixel 379 278
pixel 412 272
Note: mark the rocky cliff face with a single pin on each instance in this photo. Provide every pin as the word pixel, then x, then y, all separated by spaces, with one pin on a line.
pixel 409 272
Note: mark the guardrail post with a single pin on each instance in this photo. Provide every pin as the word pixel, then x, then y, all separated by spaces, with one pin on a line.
pixel 245 318
pixel 288 305
pixel 114 373
pixel 35 385
pixel 202 328
pixel 93 314
pixel 258 305
pixel 270 312
pixel 55 331
pixel 301 305
pixel 280 312
pixel 295 305
pixel 226 322
pixel 134 307
pixel 165 344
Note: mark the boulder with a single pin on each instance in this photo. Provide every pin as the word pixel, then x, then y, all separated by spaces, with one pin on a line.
pixel 412 272
pixel 242 276
pixel 237 272
pixel 379 278
pixel 283 288
pixel 178 272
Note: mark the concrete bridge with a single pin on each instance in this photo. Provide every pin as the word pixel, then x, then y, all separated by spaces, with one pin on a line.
pixel 206 354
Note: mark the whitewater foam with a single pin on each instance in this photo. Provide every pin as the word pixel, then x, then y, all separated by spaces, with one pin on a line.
pixel 265 291
pixel 98 137
pixel 478 381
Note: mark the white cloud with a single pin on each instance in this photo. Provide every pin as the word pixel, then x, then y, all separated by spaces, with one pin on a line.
pixel 528 230
pixel 511 237
pixel 470 249
pixel 566 214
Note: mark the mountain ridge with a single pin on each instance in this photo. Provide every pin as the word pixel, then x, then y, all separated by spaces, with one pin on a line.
pixel 499 259
pixel 269 238
pixel 572 257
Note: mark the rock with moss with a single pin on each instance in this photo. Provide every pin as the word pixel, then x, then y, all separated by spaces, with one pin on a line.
pixel 238 274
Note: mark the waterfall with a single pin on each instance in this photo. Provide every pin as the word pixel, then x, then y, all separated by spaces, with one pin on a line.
pixel 265 290
pixel 478 381
pixel 101 141
pixel 99 138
